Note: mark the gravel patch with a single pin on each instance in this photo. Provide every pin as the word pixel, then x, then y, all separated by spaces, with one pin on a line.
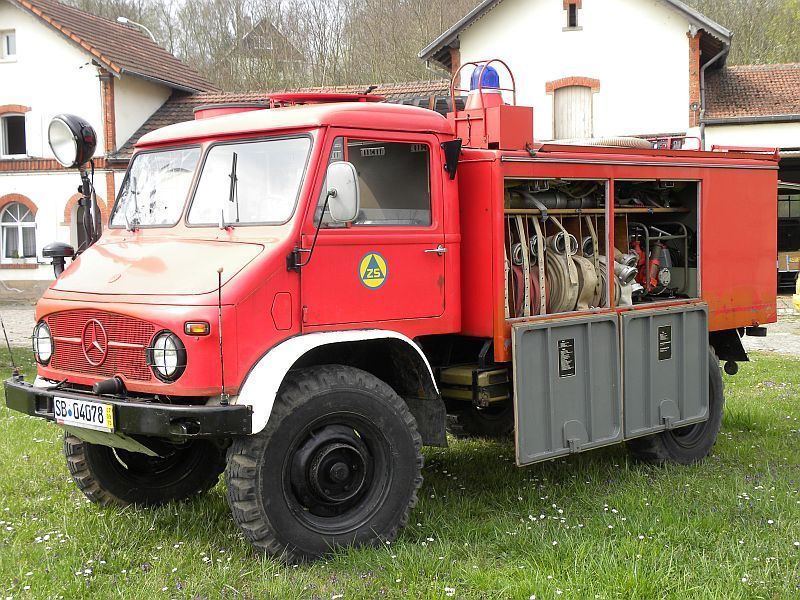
pixel 19 322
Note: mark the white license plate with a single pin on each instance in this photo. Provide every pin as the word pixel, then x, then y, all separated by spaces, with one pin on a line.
pixel 83 413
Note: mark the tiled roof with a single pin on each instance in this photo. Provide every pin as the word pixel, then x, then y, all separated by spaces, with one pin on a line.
pixel 180 108
pixel 118 48
pixel 753 91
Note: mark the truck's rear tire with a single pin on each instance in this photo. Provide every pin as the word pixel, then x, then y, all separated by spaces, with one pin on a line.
pixel 338 464
pixel 114 477
pixel 691 444
pixel 494 422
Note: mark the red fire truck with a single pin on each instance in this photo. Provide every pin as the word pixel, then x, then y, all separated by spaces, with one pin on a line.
pixel 302 294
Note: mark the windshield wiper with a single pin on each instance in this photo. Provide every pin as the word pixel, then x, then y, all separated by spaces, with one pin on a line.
pixel 233 193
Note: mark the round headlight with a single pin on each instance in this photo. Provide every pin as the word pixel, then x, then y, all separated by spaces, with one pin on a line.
pixel 168 356
pixel 42 343
pixel 72 140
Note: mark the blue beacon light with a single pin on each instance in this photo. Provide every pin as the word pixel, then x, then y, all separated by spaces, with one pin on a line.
pixel 491 79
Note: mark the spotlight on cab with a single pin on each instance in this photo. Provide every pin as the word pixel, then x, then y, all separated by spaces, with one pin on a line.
pixel 72 140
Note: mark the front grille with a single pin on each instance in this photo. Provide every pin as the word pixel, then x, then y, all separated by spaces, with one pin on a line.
pixel 127 338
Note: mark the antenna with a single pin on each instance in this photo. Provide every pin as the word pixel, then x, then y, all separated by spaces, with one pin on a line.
pixel 223 396
pixel 8 345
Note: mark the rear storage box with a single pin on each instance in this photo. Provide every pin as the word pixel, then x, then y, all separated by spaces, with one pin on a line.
pixel 665 368
pixel 566 386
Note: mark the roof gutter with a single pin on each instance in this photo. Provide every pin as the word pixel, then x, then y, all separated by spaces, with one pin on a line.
pixel 752 120
pixel 164 82
pixel 703 70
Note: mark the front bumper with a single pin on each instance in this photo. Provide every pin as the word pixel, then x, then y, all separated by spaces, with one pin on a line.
pixel 168 421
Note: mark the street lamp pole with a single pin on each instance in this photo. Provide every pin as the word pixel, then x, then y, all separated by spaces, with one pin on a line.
pixel 126 21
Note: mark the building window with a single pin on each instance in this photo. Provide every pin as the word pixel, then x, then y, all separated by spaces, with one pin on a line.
pixel 573 118
pixel 8 45
pixel 18 233
pixel 572 15
pixel 12 135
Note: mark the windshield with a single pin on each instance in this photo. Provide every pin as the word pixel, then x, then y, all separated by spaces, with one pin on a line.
pixel 154 191
pixel 250 182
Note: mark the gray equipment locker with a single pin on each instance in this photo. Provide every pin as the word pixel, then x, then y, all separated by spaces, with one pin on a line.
pixel 665 368
pixel 567 395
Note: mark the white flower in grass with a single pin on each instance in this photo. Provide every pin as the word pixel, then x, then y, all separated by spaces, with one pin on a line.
pixel 770 522
pixel 797 544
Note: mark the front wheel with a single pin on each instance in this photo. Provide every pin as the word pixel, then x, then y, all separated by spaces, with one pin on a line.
pixel 691 444
pixel 115 477
pixel 338 464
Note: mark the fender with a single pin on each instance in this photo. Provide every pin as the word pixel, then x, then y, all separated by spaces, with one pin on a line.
pixel 261 386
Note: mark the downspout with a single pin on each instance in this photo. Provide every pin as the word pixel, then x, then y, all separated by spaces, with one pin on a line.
pixel 716 57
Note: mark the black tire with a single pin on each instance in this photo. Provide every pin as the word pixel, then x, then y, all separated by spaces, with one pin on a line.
pixel 494 422
pixel 114 477
pixel 691 444
pixel 338 464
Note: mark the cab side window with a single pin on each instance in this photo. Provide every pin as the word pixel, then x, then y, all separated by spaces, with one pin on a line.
pixel 394 178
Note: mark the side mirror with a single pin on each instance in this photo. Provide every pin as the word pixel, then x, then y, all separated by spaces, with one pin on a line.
pixel 344 198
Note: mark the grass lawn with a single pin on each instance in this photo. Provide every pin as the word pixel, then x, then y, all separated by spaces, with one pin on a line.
pixel 593 526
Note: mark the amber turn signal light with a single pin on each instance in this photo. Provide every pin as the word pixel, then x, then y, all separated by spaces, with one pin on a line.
pixel 196 328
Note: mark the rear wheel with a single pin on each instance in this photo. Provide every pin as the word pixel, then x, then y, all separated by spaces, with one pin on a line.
pixel 690 444
pixel 338 464
pixel 495 421
pixel 111 476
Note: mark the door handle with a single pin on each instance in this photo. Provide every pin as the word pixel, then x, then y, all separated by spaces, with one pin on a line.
pixel 440 250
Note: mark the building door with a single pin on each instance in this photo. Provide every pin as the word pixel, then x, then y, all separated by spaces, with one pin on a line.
pixel 389 264
pixel 573 113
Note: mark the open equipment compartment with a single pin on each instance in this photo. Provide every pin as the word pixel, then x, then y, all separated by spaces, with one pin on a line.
pixel 656 232
pixel 555 241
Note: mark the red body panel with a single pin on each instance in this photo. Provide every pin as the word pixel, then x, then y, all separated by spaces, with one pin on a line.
pixel 737 223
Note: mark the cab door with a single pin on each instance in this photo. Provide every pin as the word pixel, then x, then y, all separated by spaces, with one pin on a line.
pixel 388 264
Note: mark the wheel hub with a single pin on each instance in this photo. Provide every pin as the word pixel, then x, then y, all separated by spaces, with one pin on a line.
pixel 331 470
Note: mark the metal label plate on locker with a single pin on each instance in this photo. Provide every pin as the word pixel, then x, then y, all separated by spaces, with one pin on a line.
pixel 566 358
pixel 665 342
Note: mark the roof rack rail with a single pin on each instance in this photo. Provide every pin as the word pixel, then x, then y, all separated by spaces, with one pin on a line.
pixel 775 152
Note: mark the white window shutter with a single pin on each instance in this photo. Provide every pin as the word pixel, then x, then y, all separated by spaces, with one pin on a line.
pixel 34 134
pixel 573 113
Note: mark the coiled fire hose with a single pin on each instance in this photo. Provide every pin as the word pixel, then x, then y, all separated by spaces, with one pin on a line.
pixel 526 267
pixel 595 256
pixel 562 274
pixel 543 287
pixel 604 284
